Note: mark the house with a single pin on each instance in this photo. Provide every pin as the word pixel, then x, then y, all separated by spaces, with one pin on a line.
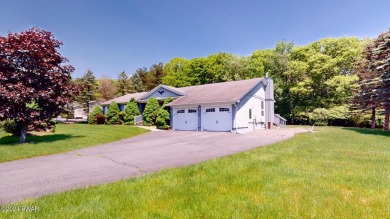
pixel 239 106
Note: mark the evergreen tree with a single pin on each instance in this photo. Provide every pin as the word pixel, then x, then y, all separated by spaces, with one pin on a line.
pixel 150 112
pixel 379 61
pixel 366 97
pixel 131 111
pixel 112 116
pixel 163 115
pixel 136 80
pixel 97 110
pixel 87 86
pixel 123 84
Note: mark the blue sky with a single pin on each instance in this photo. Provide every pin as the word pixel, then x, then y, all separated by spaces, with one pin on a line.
pixel 111 36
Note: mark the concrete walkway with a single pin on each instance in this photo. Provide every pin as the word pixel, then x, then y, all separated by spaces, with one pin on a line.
pixel 127 158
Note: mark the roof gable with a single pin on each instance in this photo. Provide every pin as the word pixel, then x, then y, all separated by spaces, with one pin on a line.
pixel 162 92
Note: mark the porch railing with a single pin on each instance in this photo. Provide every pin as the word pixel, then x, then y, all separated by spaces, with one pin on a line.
pixel 279 121
pixel 138 120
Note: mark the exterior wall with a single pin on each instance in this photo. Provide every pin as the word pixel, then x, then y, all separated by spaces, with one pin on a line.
pixel 161 93
pixel 241 120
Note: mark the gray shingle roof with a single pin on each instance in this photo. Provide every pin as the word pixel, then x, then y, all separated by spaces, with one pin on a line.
pixel 226 92
pixel 124 99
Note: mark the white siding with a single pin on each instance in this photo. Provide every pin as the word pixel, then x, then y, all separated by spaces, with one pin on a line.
pixel 251 101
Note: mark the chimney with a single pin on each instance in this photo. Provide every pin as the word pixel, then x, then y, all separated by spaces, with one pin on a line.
pixel 269 101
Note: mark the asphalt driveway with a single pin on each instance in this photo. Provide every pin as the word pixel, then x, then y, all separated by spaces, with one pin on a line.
pixel 127 158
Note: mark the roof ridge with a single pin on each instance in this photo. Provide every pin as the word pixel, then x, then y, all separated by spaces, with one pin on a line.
pixel 222 82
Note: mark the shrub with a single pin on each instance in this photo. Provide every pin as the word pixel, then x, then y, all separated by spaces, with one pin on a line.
pixel 114 120
pixel 67 115
pixel 121 116
pixel 97 110
pixel 130 112
pixel 320 116
pixel 163 119
pixel 163 115
pixel 112 113
pixel 100 119
pixel 150 112
pixel 10 126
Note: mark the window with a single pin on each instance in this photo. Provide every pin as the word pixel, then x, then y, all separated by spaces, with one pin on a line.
pixel 262 113
pixel 262 105
pixel 210 110
pixel 224 109
pixel 180 111
pixel 192 111
pixel 250 113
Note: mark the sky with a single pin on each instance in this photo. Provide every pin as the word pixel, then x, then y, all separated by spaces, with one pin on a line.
pixel 109 37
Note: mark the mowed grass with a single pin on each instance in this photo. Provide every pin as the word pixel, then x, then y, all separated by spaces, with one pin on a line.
pixel 333 173
pixel 66 137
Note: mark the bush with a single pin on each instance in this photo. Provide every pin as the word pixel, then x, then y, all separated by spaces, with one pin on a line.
pixel 364 121
pixel 114 120
pixel 97 110
pixel 112 113
pixel 163 115
pixel 320 116
pixel 10 126
pixel 100 119
pixel 67 115
pixel 150 112
pixel 121 116
pixel 163 119
pixel 130 112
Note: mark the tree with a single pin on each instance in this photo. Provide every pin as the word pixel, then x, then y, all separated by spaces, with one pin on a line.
pixel 112 116
pixel 366 95
pixel 97 110
pixel 150 112
pixel 136 80
pixel 131 111
pixel 177 74
pixel 106 89
pixel 123 84
pixel 87 85
pixel 163 115
pixel 320 116
pixel 35 85
pixel 314 73
pixel 378 57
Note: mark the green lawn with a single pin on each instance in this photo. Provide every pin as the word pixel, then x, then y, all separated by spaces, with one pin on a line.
pixel 333 173
pixel 67 137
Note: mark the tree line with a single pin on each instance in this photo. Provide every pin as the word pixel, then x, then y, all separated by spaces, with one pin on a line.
pixel 331 81
pixel 313 82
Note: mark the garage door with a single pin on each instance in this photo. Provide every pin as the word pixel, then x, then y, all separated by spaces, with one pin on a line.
pixel 217 118
pixel 185 119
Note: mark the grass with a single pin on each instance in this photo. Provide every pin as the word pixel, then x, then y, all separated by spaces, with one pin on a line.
pixel 67 137
pixel 333 173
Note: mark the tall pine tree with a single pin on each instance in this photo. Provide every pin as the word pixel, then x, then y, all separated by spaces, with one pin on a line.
pixel 123 85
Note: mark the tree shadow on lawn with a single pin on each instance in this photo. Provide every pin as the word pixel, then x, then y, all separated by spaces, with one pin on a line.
pixel 9 140
pixel 367 131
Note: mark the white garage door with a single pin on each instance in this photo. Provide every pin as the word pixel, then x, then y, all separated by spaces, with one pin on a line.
pixel 217 118
pixel 185 119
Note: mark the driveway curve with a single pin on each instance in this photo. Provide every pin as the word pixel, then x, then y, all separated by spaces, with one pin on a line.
pixel 123 159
